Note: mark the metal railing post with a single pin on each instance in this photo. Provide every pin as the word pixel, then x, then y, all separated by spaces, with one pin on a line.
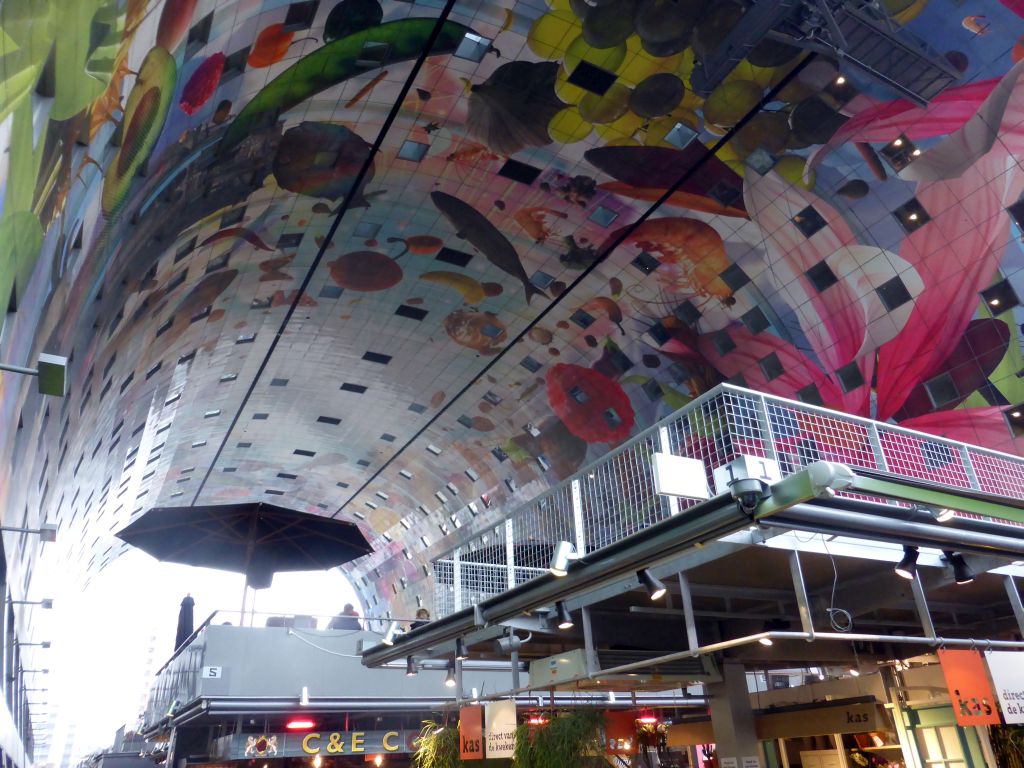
pixel 972 476
pixel 768 435
pixel 876 448
pixel 577 518
pixel 457 578
pixel 510 553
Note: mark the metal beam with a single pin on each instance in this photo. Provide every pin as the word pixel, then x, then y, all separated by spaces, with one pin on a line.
pixel 1015 601
pixel 921 603
pixel 686 598
pixel 800 588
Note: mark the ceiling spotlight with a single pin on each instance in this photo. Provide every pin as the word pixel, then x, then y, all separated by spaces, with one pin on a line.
pixel 916 152
pixel 994 302
pixel 912 217
pixel 461 652
pixel 907 567
pixel 317 761
pixel 897 142
pixel 944 515
pixel 449 679
pixel 1015 414
pixel 840 80
pixel 564 617
pixel 304 697
pixel 766 641
pixel 821 674
pixel 854 672
pixel 565 552
pixel 962 573
pixel 655 588
pixel 389 636
pixel 410 667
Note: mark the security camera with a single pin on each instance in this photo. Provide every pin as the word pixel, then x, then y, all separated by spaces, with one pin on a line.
pixel 748 492
pixel 511 643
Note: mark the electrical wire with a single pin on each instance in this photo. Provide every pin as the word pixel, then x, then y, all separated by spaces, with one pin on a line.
pixel 840 619
pixel 311 644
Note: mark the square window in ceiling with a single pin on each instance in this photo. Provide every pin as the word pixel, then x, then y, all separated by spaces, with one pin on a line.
pixel 466 421
pixel 234 64
pixel 687 312
pixel 356 388
pixel 521 172
pixel 579 395
pixel 900 152
pixel 734 277
pixel 279 382
pixel 1015 419
pixel 541 279
pixel 330 292
pixel 204 313
pixel 646 263
pixel 258 303
pixel 612 418
pixel 332 420
pixel 591 78
pixel 942 390
pixel 755 320
pixel 413 151
pixel 1017 212
pixel 472 47
pixel 603 216
pixel 290 240
pixel 376 357
pixel 366 229
pixel 723 342
pixel 771 366
pixel 659 334
pixel 760 161
pixel 363 463
pixel 233 218
pixel 451 256
pixel 373 54
pixel 287 476
pixel 850 377
pixel 821 276
pixel 1000 297
pixel 300 15
pixel 387 438
pixel 809 395
pixel 809 221
pixel 680 135
pixel 413 313
pixel 492 398
pixel 417 408
pixel 652 389
pixel 737 380
pixel 499 454
pixel 893 293
pixel 530 364
pixel 199 35
pixel 219 263
pixel 491 331
pixel 616 357
pixel 582 319
pixel 184 249
pixel 911 215
pixel 341 484
pixel 261 416
pixel 724 193
pixel 245 338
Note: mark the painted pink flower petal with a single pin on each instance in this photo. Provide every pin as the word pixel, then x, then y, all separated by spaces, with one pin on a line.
pixel 978 426
pixel 202 85
pixel 833 320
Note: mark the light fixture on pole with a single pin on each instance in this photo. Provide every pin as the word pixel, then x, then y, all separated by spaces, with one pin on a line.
pixel 655 588
pixel 449 679
pixel 564 617
pixel 46 603
pixel 461 652
pixel 565 552
pixel 410 667
pixel 907 567
pixel 51 374
pixel 47 531
pixel 44 644
pixel 389 636
pixel 304 697
pixel 40 671
pixel 962 573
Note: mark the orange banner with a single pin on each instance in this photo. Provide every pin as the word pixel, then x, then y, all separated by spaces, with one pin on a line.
pixel 974 702
pixel 620 732
pixel 471 733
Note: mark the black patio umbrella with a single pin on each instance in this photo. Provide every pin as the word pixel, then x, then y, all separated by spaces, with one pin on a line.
pixel 255 539
pixel 185 626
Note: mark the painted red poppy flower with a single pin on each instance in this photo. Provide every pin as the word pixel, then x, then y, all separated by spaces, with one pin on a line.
pixel 592 406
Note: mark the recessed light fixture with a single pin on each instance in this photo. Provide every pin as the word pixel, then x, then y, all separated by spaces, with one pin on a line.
pixel 449 679
pixel 766 641
pixel 840 80
pixel 897 142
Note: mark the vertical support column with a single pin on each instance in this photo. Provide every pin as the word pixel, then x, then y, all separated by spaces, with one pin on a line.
pixel 691 623
pixel 921 602
pixel 876 448
pixel 457 579
pixel 514 661
pixel 1015 601
pixel 510 553
pixel 768 434
pixel 972 476
pixel 577 518
pixel 800 588
pixel 732 719
pixel 460 694
pixel 588 642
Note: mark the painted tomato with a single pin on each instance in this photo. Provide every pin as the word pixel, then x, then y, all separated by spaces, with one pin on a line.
pixel 592 406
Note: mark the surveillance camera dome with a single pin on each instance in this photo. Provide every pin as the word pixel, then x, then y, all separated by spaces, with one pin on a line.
pixel 748 492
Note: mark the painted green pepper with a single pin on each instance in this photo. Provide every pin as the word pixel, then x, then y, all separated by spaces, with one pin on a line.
pixel 338 61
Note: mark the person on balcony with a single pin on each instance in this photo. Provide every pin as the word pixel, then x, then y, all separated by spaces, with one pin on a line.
pixel 347 619
pixel 422 619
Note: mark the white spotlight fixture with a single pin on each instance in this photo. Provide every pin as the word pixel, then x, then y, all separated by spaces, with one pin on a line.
pixel 565 552
pixel 962 573
pixel 655 588
pixel 907 567
pixel 449 679
pixel 564 617
pixel 389 636
pixel 766 641
pixel 854 672
pixel 461 652
pixel 944 515
pixel 304 697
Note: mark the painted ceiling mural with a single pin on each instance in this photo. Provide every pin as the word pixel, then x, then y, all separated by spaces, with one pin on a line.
pixel 409 262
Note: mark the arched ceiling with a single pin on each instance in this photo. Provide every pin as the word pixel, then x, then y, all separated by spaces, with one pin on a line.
pixel 402 263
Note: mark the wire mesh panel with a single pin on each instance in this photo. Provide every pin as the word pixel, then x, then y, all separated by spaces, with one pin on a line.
pixel 998 474
pixel 539 525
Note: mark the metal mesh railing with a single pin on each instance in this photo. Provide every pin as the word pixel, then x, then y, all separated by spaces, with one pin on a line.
pixel 615 497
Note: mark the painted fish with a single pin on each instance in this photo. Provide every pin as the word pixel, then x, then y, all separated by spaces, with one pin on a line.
pixel 472 225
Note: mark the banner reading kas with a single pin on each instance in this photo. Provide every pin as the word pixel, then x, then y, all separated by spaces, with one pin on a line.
pixel 500 728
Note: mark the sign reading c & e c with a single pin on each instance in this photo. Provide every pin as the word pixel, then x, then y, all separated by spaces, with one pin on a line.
pixel 354 743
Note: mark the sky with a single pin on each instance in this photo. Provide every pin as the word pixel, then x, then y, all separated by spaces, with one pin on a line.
pixel 109 640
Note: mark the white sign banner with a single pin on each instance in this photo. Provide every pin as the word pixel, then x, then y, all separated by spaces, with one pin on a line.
pixel 500 729
pixel 1007 670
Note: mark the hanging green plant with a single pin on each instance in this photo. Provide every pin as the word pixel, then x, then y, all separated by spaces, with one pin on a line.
pixel 570 740
pixel 437 747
